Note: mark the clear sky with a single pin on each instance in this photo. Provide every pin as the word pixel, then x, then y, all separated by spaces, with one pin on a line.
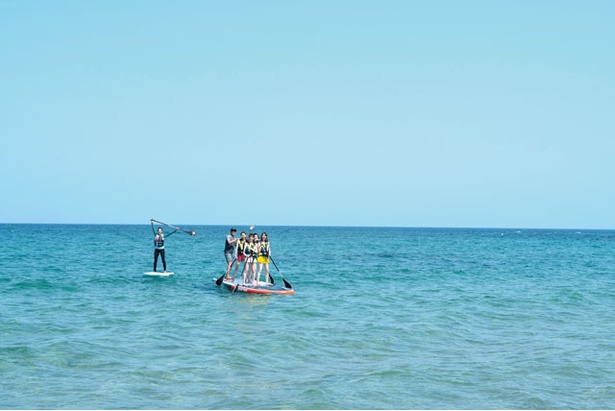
pixel 360 113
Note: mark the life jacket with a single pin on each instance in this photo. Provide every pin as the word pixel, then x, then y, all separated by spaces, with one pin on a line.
pixel 251 250
pixel 159 241
pixel 241 247
pixel 264 251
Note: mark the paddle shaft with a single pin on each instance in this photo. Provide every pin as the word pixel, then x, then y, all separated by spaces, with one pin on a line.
pixel 191 232
pixel 286 283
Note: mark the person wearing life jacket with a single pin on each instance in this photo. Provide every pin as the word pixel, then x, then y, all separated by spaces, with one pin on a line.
pixel 250 265
pixel 159 245
pixel 264 251
pixel 240 252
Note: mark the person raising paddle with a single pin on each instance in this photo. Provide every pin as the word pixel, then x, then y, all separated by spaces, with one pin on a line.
pixel 159 245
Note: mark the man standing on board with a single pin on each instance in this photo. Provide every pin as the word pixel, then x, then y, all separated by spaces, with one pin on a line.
pixel 229 251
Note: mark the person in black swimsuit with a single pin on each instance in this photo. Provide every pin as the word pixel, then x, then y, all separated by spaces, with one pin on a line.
pixel 159 245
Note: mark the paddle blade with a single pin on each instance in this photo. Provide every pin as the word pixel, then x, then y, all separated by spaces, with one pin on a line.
pixel 287 284
pixel 219 280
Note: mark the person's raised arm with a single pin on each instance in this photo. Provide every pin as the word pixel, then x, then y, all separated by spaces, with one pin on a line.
pixel 173 232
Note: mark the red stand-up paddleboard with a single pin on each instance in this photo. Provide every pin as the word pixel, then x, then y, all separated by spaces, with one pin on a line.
pixel 260 288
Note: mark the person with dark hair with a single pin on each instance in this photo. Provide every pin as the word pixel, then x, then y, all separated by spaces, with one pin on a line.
pixel 240 253
pixel 159 245
pixel 229 251
pixel 264 252
pixel 250 264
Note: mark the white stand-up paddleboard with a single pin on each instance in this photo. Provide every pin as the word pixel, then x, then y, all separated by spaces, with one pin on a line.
pixel 158 274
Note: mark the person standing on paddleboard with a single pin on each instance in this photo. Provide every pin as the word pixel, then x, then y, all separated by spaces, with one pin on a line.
pixel 229 251
pixel 240 252
pixel 250 264
pixel 264 251
pixel 159 245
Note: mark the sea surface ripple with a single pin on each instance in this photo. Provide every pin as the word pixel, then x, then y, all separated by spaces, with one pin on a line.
pixel 382 318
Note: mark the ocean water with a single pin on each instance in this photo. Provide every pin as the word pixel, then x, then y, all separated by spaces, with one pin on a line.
pixel 382 318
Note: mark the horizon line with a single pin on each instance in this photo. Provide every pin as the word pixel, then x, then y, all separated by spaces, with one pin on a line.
pixel 328 226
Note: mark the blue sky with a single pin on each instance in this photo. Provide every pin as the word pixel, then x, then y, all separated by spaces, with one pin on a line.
pixel 361 113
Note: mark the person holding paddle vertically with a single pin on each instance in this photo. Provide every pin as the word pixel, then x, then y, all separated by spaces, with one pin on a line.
pixel 250 264
pixel 159 245
pixel 240 253
pixel 264 252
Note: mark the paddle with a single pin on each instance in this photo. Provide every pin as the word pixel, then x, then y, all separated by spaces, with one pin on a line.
pixel 219 280
pixel 191 232
pixel 286 283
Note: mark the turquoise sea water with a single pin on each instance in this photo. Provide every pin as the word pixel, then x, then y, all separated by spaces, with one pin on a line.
pixel 382 318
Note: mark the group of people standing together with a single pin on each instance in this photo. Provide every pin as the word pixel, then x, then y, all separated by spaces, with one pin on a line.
pixel 249 250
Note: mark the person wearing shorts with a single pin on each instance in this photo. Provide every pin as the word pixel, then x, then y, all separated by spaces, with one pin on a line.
pixel 229 251
pixel 240 252
pixel 264 252
pixel 249 270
